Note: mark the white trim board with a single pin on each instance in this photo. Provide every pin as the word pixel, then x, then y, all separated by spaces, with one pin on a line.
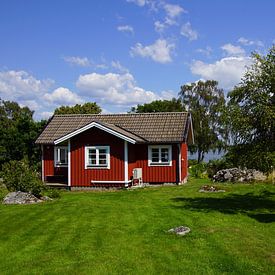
pixel 91 125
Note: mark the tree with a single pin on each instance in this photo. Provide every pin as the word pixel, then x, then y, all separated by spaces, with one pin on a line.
pixel 86 108
pixel 18 132
pixel 252 114
pixel 206 103
pixel 173 105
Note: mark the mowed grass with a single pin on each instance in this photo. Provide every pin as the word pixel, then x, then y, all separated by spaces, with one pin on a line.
pixel 125 232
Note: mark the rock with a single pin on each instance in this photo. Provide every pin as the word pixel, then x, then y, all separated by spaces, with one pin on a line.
pixel 239 175
pixel 210 189
pixel 181 230
pixel 20 198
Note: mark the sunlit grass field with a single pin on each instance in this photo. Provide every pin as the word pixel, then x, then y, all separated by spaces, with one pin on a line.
pixel 125 232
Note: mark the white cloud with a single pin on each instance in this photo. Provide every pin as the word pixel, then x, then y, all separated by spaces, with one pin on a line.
pixel 119 67
pixel 45 115
pixel 227 71
pixel 126 28
pixel 140 3
pixel 207 51
pixel 115 89
pixel 232 50
pixel 62 96
pixel 160 51
pixel 246 42
pixel 187 31
pixel 159 27
pixel 173 10
pixel 77 61
pixel 20 85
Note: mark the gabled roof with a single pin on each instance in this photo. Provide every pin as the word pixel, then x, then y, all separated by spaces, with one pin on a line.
pixel 141 127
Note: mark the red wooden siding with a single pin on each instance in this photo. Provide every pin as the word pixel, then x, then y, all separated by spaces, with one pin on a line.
pixel 48 159
pixel 83 177
pixel 138 158
pixel 184 161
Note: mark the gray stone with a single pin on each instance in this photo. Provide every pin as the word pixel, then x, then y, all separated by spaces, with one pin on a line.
pixel 181 230
pixel 20 198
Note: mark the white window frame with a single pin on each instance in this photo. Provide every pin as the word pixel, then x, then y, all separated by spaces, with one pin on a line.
pixel 97 165
pixel 57 156
pixel 159 163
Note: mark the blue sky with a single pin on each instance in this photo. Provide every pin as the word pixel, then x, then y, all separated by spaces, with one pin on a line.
pixel 124 52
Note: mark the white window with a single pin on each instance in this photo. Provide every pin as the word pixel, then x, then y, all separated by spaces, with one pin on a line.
pixel 160 155
pixel 97 157
pixel 61 156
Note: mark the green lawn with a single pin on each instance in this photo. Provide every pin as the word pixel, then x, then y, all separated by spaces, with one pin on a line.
pixel 125 232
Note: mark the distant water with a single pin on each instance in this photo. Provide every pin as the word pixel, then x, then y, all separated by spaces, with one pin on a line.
pixel 208 156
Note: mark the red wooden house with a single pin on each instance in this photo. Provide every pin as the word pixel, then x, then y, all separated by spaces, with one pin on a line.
pixel 113 149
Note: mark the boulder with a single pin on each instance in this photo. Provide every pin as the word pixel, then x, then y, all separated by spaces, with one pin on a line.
pixel 239 175
pixel 20 198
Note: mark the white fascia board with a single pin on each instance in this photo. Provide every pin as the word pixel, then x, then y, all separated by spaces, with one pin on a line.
pixel 89 126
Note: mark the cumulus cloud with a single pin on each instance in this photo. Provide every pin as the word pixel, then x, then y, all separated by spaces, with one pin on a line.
pixel 247 42
pixel 20 85
pixel 140 3
pixel 227 71
pixel 173 10
pixel 116 89
pixel 116 65
pixel 126 28
pixel 63 96
pixel 232 50
pixel 77 61
pixel 160 51
pixel 188 31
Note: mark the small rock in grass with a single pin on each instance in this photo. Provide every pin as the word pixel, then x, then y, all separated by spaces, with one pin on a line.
pixel 20 198
pixel 181 230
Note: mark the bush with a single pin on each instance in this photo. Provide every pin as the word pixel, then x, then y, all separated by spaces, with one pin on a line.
pixel 53 193
pixel 18 176
pixel 192 162
pixel 198 171
pixel 213 166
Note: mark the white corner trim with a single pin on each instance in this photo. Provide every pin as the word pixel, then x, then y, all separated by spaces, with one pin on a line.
pixel 42 164
pixel 69 162
pixel 89 126
pixel 125 161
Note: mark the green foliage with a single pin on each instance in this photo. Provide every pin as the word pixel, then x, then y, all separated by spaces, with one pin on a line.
pixel 192 162
pixel 86 108
pixel 53 193
pixel 173 105
pixel 213 166
pixel 18 132
pixel 252 115
pixel 18 176
pixel 205 101
pixel 198 171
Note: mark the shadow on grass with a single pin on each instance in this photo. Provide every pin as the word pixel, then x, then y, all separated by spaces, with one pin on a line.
pixel 258 207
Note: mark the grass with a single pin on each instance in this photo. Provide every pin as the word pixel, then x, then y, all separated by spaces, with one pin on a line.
pixel 125 232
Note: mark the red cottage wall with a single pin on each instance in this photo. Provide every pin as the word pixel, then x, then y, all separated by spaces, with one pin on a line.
pixel 83 177
pixel 138 158
pixel 48 161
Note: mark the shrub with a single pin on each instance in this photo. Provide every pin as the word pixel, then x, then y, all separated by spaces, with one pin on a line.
pixel 213 166
pixel 18 176
pixel 198 171
pixel 53 193
pixel 192 162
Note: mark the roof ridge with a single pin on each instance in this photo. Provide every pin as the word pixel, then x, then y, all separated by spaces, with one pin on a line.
pixel 121 114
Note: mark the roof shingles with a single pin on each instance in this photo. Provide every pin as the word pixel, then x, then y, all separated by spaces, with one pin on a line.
pixel 143 127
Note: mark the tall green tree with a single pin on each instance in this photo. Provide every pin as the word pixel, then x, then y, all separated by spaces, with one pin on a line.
pixel 173 105
pixel 252 114
pixel 18 132
pixel 206 103
pixel 86 108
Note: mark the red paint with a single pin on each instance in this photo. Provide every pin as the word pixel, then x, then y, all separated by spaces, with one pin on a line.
pixel 48 159
pixel 138 158
pixel 83 177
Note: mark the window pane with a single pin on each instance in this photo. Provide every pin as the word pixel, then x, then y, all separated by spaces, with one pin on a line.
pixel 155 154
pixel 164 155
pixel 102 151
pixel 62 155
pixel 92 156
